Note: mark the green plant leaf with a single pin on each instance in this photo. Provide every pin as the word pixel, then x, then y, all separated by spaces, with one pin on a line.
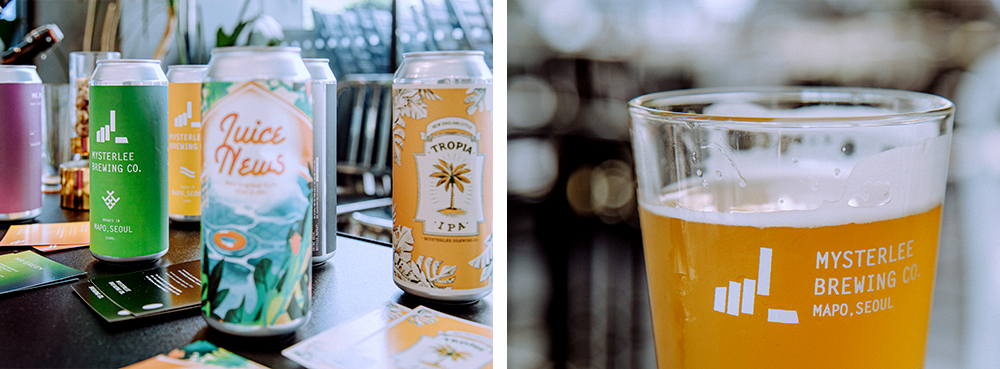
pixel 220 297
pixel 210 291
pixel 236 315
pixel 304 282
pixel 281 282
pixel 261 272
pixel 294 311
pixel 222 39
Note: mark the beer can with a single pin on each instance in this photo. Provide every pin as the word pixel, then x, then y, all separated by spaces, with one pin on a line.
pixel 128 158
pixel 442 176
pixel 257 189
pixel 20 142
pixel 184 139
pixel 324 99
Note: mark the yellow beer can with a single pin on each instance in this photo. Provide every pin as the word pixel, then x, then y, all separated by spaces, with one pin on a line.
pixel 442 176
pixel 184 138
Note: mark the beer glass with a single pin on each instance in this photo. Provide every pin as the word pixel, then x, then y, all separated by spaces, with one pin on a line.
pixel 790 227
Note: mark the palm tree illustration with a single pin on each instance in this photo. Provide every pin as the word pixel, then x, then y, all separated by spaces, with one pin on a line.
pixel 451 177
pixel 447 352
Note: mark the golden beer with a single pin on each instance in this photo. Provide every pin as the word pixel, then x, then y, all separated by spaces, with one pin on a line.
pixel 860 293
pixel 791 227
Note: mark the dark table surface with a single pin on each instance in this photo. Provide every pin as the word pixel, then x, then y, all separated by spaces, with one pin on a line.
pixel 53 328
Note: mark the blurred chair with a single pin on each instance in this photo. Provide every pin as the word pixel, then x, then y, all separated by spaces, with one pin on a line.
pixel 363 134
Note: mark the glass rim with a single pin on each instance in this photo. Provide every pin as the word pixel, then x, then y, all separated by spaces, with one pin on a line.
pixel 935 106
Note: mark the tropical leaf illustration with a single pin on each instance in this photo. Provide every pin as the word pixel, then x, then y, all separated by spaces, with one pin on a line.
pixel 281 294
pixel 394 311
pixel 485 260
pixel 212 92
pixel 480 98
pixel 407 102
pixel 421 317
pixel 429 94
pixel 424 272
pixel 430 272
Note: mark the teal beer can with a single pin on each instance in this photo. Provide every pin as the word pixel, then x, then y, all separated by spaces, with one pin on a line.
pixel 258 178
pixel 128 161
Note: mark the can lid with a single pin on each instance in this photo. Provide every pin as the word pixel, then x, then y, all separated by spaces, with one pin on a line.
pixel 256 49
pixel 319 70
pixel 241 63
pixel 187 66
pixel 18 74
pixel 186 73
pixel 422 54
pixel 128 72
pixel 440 66
pixel 128 61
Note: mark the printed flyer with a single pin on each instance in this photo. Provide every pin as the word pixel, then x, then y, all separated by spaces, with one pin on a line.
pixel 26 270
pixel 419 339
pixel 312 352
pixel 199 354
pixel 49 236
pixel 143 293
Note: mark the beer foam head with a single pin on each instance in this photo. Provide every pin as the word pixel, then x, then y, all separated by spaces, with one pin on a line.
pixel 891 184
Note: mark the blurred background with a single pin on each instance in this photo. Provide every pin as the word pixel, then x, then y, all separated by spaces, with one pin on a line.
pixel 577 289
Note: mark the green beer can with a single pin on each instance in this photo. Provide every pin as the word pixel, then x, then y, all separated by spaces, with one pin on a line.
pixel 128 161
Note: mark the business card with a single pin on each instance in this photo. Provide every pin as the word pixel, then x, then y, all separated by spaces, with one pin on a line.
pixel 47 237
pixel 100 303
pixel 26 270
pixel 148 292
pixel 199 354
pixel 419 339
pixel 312 352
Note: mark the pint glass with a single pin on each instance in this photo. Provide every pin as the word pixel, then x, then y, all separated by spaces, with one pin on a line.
pixel 790 227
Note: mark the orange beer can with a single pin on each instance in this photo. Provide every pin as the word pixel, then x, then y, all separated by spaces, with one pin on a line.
pixel 442 176
pixel 184 138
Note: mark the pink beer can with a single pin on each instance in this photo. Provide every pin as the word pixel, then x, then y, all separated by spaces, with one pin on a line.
pixel 20 142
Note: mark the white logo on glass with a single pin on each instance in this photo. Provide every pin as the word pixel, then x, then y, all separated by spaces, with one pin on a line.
pixel 727 299
pixel 104 134
pixel 181 120
pixel 110 200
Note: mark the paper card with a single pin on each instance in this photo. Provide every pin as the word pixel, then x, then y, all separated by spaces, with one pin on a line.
pixel 147 292
pixel 200 354
pixel 154 291
pixel 27 270
pixel 47 234
pixel 100 303
pixel 421 339
pixel 310 352
pixel 50 248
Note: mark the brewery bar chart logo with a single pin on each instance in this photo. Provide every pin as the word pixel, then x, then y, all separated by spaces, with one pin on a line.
pixel 728 299
pixel 181 120
pixel 104 134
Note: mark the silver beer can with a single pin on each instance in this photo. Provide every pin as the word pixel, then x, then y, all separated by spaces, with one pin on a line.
pixel 324 99
pixel 442 176
pixel 257 191
pixel 20 142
